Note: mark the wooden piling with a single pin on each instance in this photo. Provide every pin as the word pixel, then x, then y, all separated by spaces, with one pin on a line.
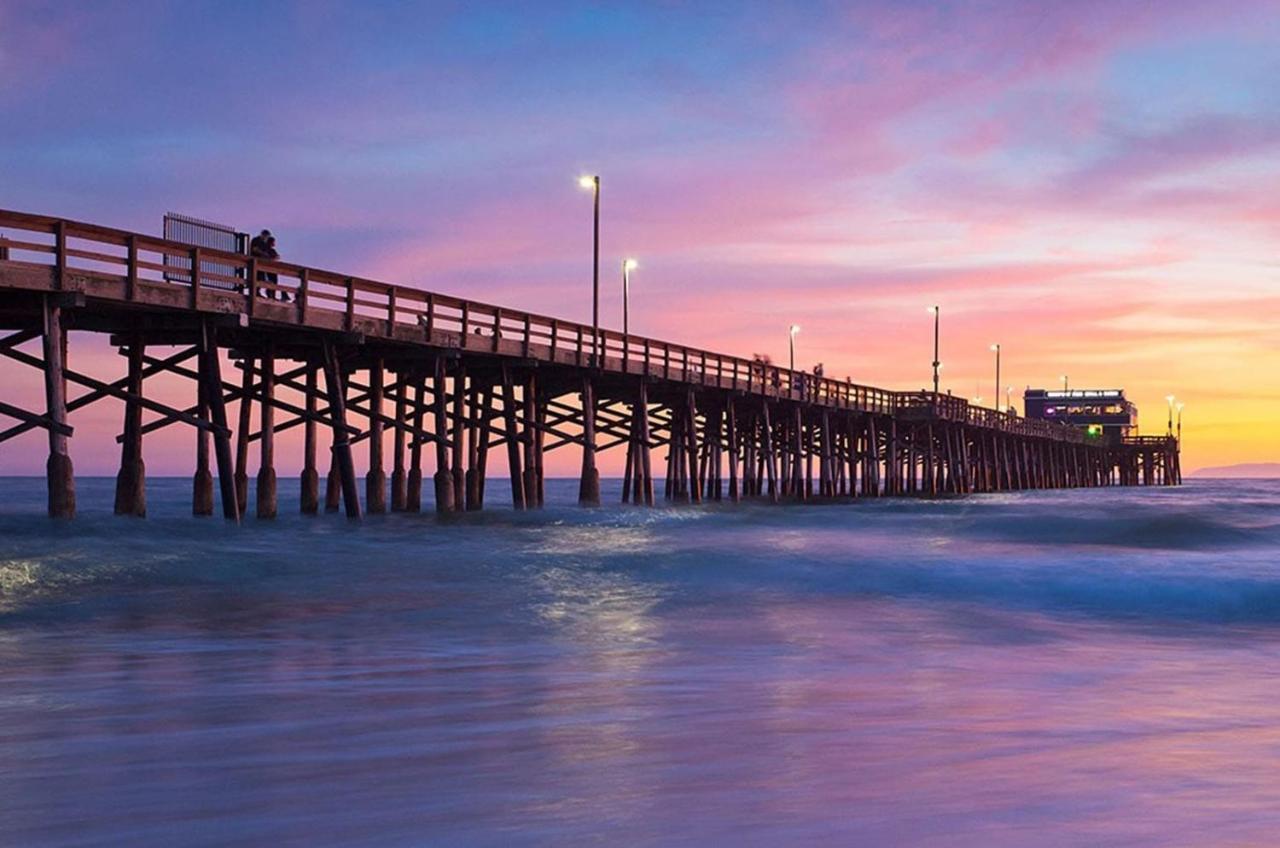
pixel 202 480
pixel 443 479
pixel 131 491
pixel 375 480
pixel 413 488
pixel 211 377
pixel 335 386
pixel 399 473
pixel 58 470
pixel 589 481
pixel 309 482
pixel 266 501
pixel 511 428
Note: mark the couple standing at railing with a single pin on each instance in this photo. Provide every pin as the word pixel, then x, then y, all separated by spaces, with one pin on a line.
pixel 263 246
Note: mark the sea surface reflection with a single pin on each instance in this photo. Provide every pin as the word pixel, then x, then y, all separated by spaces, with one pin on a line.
pixel 1067 668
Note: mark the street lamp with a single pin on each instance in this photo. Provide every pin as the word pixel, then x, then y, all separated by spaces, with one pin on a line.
pixel 1008 399
pixel 1064 382
pixel 1170 399
pixel 795 328
pixel 1180 405
pixel 593 184
pixel 936 315
pixel 628 265
pixel 996 348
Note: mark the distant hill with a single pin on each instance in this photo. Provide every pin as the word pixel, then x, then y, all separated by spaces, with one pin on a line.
pixel 1247 469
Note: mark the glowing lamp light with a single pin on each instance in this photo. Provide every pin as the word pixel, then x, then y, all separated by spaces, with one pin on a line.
pixel 795 328
pixel 630 264
pixel 587 182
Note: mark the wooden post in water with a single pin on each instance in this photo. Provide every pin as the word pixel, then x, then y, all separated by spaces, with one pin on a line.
pixel 530 440
pixel 485 435
pixel 309 482
pixel 646 466
pixel 211 379
pixel 443 478
pixel 589 482
pixel 202 481
pixel 413 490
pixel 58 471
pixel 691 436
pixel 267 505
pixel 242 435
pixel 131 491
pixel 335 385
pixel 399 478
pixel 459 433
pixel 375 481
pixel 472 474
pixel 731 426
pixel 509 419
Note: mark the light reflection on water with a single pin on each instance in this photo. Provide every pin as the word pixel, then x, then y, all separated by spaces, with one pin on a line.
pixel 1055 669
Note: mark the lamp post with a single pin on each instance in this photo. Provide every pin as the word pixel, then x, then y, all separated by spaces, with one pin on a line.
pixel 936 316
pixel 1170 399
pixel 791 334
pixel 1065 383
pixel 1008 398
pixel 996 348
pixel 593 183
pixel 628 265
pixel 1180 405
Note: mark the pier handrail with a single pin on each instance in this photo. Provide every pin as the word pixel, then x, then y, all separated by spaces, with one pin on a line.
pixel 133 261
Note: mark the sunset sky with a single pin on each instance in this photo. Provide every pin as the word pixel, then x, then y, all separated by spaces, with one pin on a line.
pixel 1094 185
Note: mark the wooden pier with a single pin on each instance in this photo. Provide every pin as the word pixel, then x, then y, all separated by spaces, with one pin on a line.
pixel 348 359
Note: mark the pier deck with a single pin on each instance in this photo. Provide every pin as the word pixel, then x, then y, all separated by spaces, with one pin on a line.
pixel 360 359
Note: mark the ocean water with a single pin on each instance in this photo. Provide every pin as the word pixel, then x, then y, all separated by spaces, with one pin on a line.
pixel 1057 668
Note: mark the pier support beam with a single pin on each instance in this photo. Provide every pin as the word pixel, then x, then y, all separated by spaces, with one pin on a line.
pixel 375 481
pixel 58 470
pixel 399 478
pixel 202 481
pixel 509 416
pixel 211 380
pixel 443 477
pixel 131 487
pixel 413 488
pixel 267 505
pixel 589 484
pixel 242 435
pixel 310 479
pixel 344 465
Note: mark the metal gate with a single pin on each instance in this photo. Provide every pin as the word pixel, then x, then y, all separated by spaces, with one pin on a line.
pixel 201 233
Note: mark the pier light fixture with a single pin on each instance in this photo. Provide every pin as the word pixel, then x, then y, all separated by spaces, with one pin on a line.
pixel 792 331
pixel 1179 407
pixel 1066 384
pixel 1008 399
pixel 996 347
pixel 937 314
pixel 1170 399
pixel 592 183
pixel 628 265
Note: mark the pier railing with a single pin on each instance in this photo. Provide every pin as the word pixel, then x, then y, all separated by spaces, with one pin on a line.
pixel 62 254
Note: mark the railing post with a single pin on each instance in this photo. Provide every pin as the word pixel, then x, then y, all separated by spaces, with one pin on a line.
pixel 466 315
pixel 350 318
pixel 304 291
pixel 131 282
pixel 528 334
pixel 391 312
pixel 497 328
pixel 195 278
pixel 431 314
pixel 60 254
